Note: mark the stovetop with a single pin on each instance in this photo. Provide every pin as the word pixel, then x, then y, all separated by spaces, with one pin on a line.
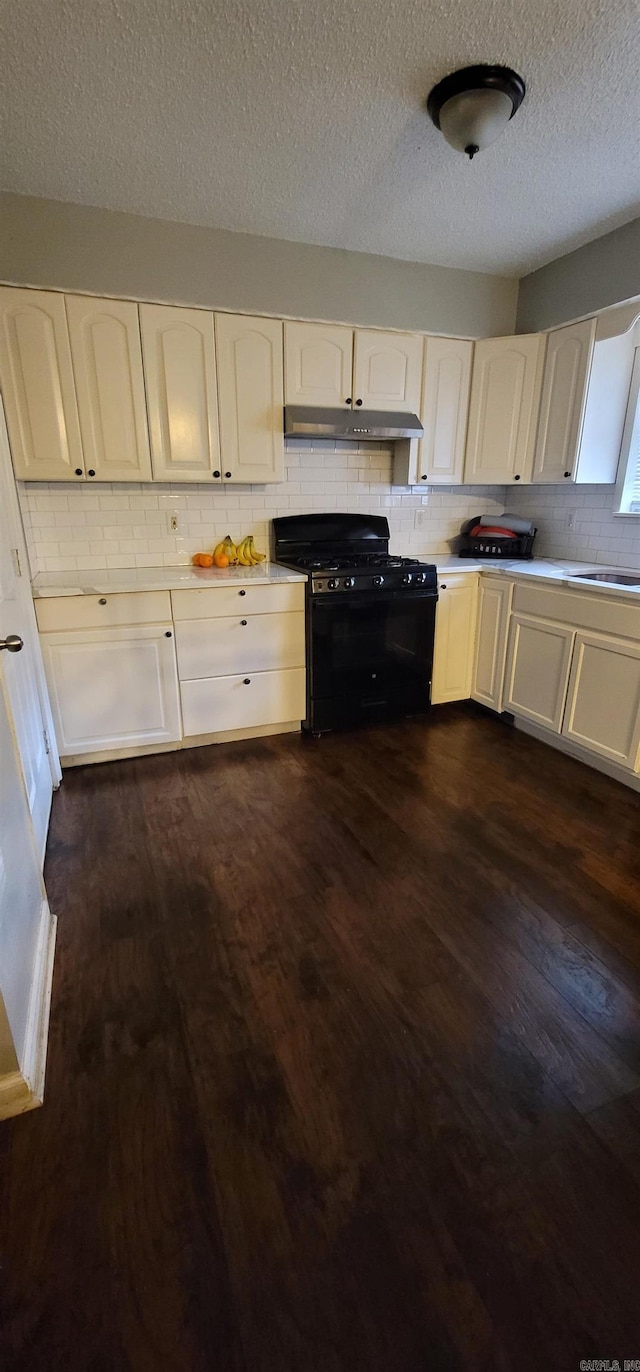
pixel 336 563
pixel 348 553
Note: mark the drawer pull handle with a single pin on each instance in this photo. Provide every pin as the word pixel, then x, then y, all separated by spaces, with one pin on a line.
pixel 247 681
pixel 243 622
pixel 102 600
pixel 168 634
pixel 242 592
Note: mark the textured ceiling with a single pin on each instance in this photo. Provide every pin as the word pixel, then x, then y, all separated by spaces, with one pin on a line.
pixel 304 119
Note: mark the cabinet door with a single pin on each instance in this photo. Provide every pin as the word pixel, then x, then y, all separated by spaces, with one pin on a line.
pixel 445 407
pixel 387 370
pixel 250 389
pixel 107 365
pixel 455 638
pixel 36 378
pixel 318 364
pixel 112 688
pixel 603 706
pixel 564 392
pixel 494 606
pixel 503 410
pixel 537 676
pixel 180 378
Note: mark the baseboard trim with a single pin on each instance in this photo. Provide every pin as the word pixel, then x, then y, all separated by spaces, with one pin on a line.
pixel 565 745
pixel 193 741
pixel 23 1089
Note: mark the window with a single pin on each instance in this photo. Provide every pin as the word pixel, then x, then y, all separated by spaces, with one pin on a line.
pixel 629 479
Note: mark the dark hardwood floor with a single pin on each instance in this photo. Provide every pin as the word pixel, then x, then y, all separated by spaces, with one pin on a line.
pixel 344 1067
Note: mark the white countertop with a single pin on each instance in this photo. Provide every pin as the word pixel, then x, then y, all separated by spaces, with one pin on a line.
pixel 176 578
pixel 157 579
pixel 541 569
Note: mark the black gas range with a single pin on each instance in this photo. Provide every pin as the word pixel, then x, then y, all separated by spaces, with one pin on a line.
pixel 370 619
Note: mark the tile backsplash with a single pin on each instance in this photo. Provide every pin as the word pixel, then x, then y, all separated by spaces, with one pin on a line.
pixel 578 522
pixel 127 525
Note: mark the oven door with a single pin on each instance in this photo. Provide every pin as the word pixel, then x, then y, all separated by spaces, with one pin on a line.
pixel 371 656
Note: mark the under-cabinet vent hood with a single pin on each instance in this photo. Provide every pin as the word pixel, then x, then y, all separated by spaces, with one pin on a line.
pixel 313 421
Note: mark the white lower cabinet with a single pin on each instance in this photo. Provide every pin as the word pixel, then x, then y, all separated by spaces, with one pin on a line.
pixel 112 688
pixel 537 675
pixel 454 640
pixel 603 706
pixel 250 643
pixel 225 703
pixel 494 605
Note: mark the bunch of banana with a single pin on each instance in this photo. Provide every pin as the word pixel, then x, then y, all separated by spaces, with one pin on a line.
pixel 247 555
pixel 243 554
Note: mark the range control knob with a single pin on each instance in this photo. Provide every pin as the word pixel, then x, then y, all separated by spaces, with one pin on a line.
pixel 406 579
pixel 349 581
pixel 378 581
pixel 419 578
pixel 333 583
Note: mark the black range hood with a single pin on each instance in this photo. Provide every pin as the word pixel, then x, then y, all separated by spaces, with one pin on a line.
pixel 315 421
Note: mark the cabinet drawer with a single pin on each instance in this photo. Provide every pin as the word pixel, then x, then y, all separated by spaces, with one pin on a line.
pixel 224 647
pixel 213 602
pixel 583 611
pixel 102 611
pixel 222 703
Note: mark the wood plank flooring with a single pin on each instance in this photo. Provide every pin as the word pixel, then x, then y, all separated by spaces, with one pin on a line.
pixel 344 1068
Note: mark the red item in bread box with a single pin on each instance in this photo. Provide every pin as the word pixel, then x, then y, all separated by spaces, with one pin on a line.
pixel 479 531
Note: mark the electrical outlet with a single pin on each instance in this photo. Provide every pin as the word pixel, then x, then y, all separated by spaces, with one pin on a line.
pixel 174 522
pixel 571 521
pixel 421 519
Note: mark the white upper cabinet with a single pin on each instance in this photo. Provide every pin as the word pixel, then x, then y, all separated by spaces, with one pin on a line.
pixel 36 378
pixel 251 395
pixel 318 362
pixel 107 365
pixel 444 411
pixel 564 392
pixel 180 375
pixel 503 410
pixel 387 370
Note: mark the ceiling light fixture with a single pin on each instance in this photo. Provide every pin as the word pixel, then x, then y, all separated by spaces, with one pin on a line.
pixel 473 106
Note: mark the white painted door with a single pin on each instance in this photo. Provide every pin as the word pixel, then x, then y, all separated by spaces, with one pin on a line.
pixel 107 365
pixel 21 899
pixel 503 409
pixel 603 705
pixel 318 364
pixel 36 379
pixel 455 638
pixel 180 377
pixel 444 410
pixel 112 688
pixel 23 671
pixel 251 397
pixel 537 675
pixel 564 393
pixel 387 370
pixel 494 606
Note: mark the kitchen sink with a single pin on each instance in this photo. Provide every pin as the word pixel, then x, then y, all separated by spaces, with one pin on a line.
pixel 613 578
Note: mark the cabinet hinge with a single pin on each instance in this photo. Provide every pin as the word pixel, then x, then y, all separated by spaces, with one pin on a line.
pixel 16 561
pixel 47 746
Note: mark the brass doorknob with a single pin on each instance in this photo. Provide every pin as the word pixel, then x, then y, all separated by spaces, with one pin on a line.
pixel 13 643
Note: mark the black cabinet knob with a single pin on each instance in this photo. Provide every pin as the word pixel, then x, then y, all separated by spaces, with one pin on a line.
pixel 242 592
pixel 423 478
pixel 228 475
pixel 244 622
pixel 443 585
pixel 348 400
pixel 516 478
pixel 79 471
pixel 247 681
pixel 216 474
pixel 567 473
pixel 358 402
pixel 102 600
pixel 168 633
pixel 91 472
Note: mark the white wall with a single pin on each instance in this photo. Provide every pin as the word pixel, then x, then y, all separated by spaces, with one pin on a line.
pixel 597 534
pixel 89 526
pixel 102 252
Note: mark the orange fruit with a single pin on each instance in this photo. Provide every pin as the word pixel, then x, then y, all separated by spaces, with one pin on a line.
pixel 221 560
pixel 202 560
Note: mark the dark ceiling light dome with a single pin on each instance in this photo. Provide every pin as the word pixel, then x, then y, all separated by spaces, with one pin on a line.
pixel 473 106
